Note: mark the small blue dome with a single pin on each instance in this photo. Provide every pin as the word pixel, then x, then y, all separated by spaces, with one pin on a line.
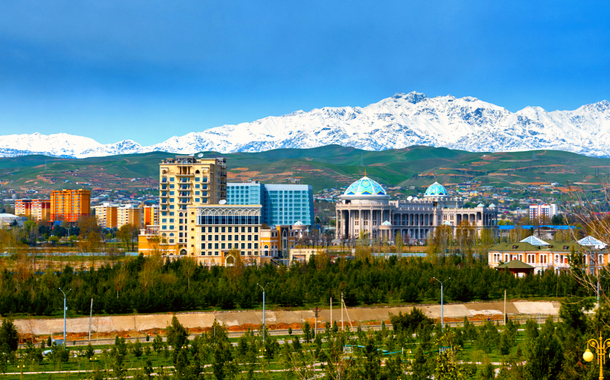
pixel 436 189
pixel 386 223
pixel 365 186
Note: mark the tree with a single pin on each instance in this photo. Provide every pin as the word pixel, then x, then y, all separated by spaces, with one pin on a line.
pixel 126 234
pixel 306 332
pixel 223 366
pixel 399 242
pixel 177 335
pixel 188 265
pixel 9 336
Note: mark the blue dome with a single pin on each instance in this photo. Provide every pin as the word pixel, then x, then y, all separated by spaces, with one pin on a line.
pixel 365 186
pixel 435 190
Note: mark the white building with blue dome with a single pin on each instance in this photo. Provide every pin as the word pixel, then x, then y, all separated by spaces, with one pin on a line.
pixel 366 209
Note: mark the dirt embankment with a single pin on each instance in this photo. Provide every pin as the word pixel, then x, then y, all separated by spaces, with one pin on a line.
pixel 198 322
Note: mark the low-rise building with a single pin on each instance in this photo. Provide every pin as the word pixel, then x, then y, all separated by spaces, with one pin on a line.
pixel 554 256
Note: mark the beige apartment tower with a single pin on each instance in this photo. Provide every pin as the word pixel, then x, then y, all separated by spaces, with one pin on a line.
pixel 184 181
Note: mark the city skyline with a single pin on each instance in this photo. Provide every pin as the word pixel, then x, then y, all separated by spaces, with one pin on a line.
pixel 114 71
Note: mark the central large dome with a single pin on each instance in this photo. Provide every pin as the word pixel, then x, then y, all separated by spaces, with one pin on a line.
pixel 365 186
pixel 435 190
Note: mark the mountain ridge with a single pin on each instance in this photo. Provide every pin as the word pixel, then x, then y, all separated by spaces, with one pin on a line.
pixel 396 122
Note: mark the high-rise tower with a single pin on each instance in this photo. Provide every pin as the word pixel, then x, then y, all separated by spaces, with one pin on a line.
pixel 187 181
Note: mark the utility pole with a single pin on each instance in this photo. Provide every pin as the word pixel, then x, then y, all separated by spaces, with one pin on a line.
pixel 65 309
pixel 505 306
pixel 342 326
pixel 263 312
pixel 90 318
pixel 442 306
pixel 331 306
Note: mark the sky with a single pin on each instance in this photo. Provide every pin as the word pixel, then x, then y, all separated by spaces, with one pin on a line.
pixel 150 70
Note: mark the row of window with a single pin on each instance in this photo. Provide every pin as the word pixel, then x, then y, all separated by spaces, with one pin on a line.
pixel 223 229
pixel 172 179
pixel 228 219
pixel 229 245
pixel 229 237
pixel 216 253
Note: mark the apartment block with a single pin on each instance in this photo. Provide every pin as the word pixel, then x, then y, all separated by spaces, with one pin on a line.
pixel 41 209
pixel 151 215
pixel 70 205
pixel 23 207
pixel 185 181
pixel 543 211
pixel 115 216
pixel 106 215
pixel 129 214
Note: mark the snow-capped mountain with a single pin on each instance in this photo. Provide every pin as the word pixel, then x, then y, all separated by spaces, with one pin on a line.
pixel 396 122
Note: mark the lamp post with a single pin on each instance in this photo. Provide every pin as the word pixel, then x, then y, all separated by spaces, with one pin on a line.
pixel 65 308
pixel 263 311
pixel 600 346
pixel 442 306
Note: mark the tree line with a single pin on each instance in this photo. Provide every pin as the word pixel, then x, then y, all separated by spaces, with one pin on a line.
pixel 149 284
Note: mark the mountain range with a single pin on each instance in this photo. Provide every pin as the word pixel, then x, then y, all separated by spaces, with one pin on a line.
pixel 396 122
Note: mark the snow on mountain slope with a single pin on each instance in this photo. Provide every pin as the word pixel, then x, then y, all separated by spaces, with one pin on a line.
pixel 395 122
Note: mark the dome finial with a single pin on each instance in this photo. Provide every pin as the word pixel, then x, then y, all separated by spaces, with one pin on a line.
pixel 365 172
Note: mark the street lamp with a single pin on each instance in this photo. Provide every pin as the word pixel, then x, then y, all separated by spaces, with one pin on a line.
pixel 65 308
pixel 442 306
pixel 600 346
pixel 263 310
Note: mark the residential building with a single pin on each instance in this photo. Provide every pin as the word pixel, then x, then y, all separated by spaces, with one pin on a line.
pixel 129 214
pixel 151 215
pixel 115 216
pixel 282 204
pixel 106 215
pixel 70 205
pixel 40 209
pixel 23 207
pixel 542 211
pixel 185 181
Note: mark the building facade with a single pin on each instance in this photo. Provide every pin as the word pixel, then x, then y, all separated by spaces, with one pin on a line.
pixel 129 214
pixel 365 209
pixel 106 215
pixel 23 207
pixel 220 233
pixel 41 209
pixel 543 211
pixel 70 205
pixel 151 215
pixel 187 181
pixel 282 204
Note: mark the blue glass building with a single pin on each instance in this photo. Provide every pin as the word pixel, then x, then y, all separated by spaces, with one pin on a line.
pixel 282 204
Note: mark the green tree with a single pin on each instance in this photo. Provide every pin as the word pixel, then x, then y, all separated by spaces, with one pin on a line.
pixel 306 332
pixel 9 335
pixel 177 335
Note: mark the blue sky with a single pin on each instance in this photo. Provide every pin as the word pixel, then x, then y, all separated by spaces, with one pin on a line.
pixel 149 70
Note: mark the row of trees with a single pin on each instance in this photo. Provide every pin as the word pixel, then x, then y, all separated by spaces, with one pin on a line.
pixel 89 235
pixel 147 284
pixel 415 348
